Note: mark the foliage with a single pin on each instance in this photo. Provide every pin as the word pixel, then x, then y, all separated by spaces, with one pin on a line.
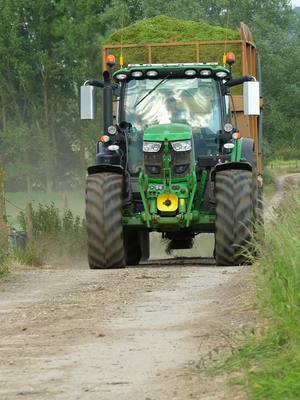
pixel 271 363
pixel 55 235
pixel 18 200
pixel 4 255
pixel 30 255
pixel 4 262
pixel 48 48
pixel 280 54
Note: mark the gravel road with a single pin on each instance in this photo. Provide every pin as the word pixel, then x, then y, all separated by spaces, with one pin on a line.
pixel 139 333
pixel 142 333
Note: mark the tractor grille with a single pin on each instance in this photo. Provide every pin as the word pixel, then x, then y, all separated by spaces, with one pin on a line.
pixel 153 163
pixel 181 163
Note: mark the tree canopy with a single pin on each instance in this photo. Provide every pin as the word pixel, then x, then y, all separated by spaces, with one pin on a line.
pixel 48 48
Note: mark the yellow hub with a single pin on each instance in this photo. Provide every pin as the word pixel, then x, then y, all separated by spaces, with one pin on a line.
pixel 167 202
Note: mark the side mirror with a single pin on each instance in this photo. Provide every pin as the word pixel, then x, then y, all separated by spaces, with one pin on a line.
pixel 87 102
pixel 251 98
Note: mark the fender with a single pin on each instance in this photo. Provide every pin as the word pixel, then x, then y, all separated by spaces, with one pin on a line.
pixel 95 169
pixel 246 166
pixel 243 150
pixel 233 165
pixel 247 150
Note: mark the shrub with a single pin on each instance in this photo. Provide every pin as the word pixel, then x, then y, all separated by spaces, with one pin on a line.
pixel 62 235
pixel 30 255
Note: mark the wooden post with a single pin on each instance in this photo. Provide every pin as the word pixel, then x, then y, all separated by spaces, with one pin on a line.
pixel 29 224
pixel 3 223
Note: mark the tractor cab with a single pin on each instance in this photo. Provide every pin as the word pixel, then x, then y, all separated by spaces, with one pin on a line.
pixel 171 94
pixel 170 162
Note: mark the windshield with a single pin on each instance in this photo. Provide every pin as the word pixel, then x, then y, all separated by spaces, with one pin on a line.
pixel 194 102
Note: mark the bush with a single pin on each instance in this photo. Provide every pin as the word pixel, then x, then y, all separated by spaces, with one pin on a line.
pixel 54 234
pixel 30 255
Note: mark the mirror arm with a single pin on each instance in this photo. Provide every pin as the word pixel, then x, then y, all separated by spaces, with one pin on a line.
pixel 239 81
pixel 94 82
pixel 97 83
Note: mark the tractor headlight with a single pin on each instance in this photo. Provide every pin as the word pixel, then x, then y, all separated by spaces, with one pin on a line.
pixel 184 145
pixel 112 129
pixel 151 147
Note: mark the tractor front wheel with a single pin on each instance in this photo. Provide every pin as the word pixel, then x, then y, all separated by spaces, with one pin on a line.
pixel 104 221
pixel 234 216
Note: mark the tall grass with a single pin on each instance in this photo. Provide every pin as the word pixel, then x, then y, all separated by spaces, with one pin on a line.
pixel 55 235
pixel 4 255
pixel 4 263
pixel 272 361
pixel 278 275
pixel 284 166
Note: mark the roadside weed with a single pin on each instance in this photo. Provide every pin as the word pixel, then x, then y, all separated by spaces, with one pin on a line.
pixel 271 361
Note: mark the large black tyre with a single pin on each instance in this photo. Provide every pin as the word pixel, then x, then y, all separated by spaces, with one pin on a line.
pixel 104 221
pixel 234 216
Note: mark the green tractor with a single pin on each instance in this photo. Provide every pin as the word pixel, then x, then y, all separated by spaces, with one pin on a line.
pixel 171 162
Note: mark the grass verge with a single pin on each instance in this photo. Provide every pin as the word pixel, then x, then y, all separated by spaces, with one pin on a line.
pixel 55 235
pixel 271 361
pixel 4 265
pixel 280 166
pixel 4 256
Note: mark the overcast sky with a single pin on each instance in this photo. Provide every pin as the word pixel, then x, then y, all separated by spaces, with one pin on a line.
pixel 296 3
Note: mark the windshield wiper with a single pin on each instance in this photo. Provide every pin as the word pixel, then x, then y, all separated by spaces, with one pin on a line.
pixel 151 91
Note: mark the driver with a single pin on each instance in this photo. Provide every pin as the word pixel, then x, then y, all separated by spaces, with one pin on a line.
pixel 176 114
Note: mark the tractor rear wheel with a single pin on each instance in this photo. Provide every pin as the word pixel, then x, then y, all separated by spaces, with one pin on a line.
pixel 234 216
pixel 104 221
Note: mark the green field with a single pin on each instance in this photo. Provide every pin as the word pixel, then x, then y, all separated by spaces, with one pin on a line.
pixel 284 166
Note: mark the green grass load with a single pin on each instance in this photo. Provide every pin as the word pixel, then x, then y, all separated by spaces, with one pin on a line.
pixel 162 29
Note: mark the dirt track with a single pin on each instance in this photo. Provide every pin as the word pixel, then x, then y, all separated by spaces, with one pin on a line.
pixel 142 333
pixel 132 334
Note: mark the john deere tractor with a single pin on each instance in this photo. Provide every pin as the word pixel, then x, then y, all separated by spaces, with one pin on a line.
pixel 172 161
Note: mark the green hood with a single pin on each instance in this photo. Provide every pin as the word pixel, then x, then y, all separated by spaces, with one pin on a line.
pixel 170 132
